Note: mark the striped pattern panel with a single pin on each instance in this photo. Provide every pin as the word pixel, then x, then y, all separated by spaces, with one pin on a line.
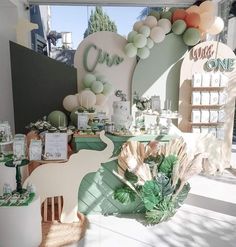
pixel 96 193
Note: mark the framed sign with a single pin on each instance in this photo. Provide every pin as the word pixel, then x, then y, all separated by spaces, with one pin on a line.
pixel 55 146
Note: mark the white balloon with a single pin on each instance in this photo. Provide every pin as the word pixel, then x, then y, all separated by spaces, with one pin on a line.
pixel 150 43
pixel 70 102
pixel 165 24
pixel 137 25
pixel 217 26
pixel 157 34
pixel 150 21
pixel 87 98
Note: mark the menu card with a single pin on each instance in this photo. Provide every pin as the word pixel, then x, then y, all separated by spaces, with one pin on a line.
pixel 55 146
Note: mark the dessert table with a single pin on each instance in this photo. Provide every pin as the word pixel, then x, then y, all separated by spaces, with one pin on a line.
pixel 21 225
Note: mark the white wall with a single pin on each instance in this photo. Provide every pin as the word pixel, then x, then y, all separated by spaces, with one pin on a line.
pixel 9 14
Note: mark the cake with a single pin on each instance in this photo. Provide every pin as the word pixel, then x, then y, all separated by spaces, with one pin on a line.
pixel 121 115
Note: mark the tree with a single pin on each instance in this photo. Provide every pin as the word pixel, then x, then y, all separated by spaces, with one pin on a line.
pixel 147 10
pixel 99 21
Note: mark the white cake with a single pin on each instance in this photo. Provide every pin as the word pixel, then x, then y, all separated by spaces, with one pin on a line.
pixel 121 115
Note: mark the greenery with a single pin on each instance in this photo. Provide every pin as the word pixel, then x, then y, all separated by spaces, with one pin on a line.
pixel 99 21
pixel 159 194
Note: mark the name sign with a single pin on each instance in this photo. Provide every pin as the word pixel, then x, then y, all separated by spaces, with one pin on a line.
pixel 100 57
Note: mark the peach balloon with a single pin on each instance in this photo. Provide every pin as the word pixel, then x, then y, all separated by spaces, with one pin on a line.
pixel 137 25
pixel 192 19
pixel 193 9
pixel 207 6
pixel 217 26
pixel 179 14
pixel 206 21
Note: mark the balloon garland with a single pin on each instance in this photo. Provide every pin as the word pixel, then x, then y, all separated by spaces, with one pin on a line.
pixel 95 93
pixel 192 24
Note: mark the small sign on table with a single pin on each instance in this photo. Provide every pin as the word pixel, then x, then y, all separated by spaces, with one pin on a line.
pixel 55 146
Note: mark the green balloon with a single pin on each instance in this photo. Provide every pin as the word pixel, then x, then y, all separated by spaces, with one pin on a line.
pixel 172 10
pixel 155 14
pixel 130 50
pixel 191 36
pixel 143 53
pixel 88 79
pixel 97 87
pixel 179 27
pixel 166 15
pixel 145 30
pixel 140 40
pixel 150 43
pixel 57 119
pixel 131 36
pixel 74 117
pixel 107 88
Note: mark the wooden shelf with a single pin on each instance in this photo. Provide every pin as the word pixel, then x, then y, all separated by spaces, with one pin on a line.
pixel 207 106
pixel 206 124
pixel 208 88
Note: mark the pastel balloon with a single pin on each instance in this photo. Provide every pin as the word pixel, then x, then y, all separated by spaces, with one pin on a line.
pixel 97 87
pixel 206 21
pixel 145 30
pixel 100 99
pixel 191 36
pixel 166 15
pixel 155 13
pixel 137 25
pixel 157 34
pixel 131 36
pixel 192 19
pixel 150 43
pixel 207 6
pixel 179 14
pixel 217 26
pixel 57 119
pixel 140 40
pixel 165 24
pixel 143 53
pixel 87 98
pixel 179 27
pixel 88 79
pixel 100 77
pixel 108 88
pixel 193 9
pixel 70 102
pixel 172 10
pixel 150 21
pixel 130 50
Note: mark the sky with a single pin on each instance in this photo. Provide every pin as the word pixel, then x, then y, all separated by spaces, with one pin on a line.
pixel 75 18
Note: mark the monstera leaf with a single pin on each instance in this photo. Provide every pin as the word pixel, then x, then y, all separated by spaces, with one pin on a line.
pixel 124 195
pixel 178 201
pixel 131 177
pixel 167 165
pixel 150 194
pixel 164 184
pixel 164 211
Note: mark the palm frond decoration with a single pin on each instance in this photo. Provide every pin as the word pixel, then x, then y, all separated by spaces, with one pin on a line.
pixel 158 175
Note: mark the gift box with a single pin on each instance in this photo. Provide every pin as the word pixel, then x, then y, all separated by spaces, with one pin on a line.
pixel 212 130
pixel 196 116
pixel 220 133
pixel 205 98
pixel 222 98
pixel 205 116
pixel 213 116
pixel 214 98
pixel 224 80
pixel 204 130
pixel 196 98
pixel 206 80
pixel 196 130
pixel 221 116
pixel 197 80
pixel 215 79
